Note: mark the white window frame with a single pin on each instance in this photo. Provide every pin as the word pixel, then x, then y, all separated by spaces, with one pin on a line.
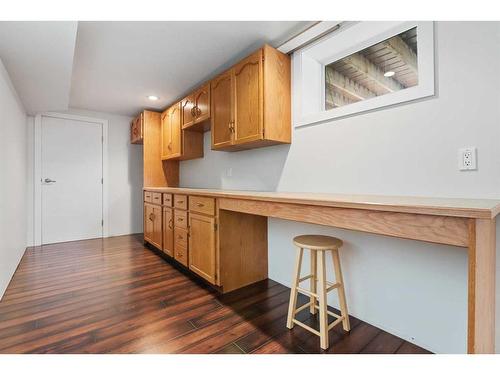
pixel 309 69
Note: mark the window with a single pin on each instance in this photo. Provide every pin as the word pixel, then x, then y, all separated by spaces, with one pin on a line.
pixel 381 69
pixel 363 66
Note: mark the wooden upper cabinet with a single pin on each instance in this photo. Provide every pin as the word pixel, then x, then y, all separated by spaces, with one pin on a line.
pixel 187 105
pixel 166 135
pixel 137 129
pixel 222 110
pixel 179 144
pixel 175 129
pixel 251 102
pixel 171 132
pixel 248 104
pixel 202 103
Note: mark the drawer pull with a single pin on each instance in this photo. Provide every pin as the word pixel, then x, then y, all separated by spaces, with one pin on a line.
pixel 199 204
pixel 179 237
pixel 179 255
pixel 170 224
pixel 180 219
pixel 180 202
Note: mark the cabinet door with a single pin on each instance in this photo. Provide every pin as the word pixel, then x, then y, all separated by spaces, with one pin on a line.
pixel 202 246
pixel 136 131
pixel 175 130
pixel 148 222
pixel 157 227
pixel 187 111
pixel 221 112
pixel 166 135
pixel 248 99
pixel 202 103
pixel 168 231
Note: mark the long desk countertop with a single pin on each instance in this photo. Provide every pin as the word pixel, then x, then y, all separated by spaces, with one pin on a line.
pixel 458 207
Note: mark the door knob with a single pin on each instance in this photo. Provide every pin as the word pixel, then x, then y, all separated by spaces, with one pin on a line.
pixel 48 181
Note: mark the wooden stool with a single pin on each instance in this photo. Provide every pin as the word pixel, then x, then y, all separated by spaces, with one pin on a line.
pixel 318 292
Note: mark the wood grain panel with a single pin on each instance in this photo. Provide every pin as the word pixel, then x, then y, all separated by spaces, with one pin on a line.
pixel 437 229
pixel 482 265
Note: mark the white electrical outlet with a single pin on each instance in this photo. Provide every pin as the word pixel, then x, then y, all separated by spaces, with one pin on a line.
pixel 467 159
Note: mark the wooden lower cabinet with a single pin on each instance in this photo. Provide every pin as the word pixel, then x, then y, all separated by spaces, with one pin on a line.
pixel 227 249
pixel 202 255
pixel 153 224
pixel 168 231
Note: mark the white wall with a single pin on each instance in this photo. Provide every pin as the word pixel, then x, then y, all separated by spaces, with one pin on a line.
pixel 412 289
pixel 13 180
pixel 124 175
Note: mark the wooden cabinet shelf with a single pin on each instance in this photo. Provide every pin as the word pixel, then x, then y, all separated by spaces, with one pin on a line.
pixel 250 103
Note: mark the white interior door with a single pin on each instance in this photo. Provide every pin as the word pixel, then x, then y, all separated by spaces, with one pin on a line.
pixel 71 178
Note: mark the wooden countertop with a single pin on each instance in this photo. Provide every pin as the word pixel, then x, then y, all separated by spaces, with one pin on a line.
pixel 470 208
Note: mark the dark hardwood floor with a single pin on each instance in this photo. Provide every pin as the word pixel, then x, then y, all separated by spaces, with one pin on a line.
pixel 117 296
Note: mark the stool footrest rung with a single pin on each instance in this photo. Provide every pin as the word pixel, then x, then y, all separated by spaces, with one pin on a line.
pixel 333 286
pixel 307 292
pixel 304 306
pixel 305 278
pixel 298 322
pixel 328 312
pixel 335 322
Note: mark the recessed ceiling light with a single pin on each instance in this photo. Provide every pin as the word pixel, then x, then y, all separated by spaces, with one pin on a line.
pixel 390 73
pixel 153 97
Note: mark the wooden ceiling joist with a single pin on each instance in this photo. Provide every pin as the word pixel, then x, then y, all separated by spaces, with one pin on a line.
pixel 336 99
pixel 346 86
pixel 405 53
pixel 365 66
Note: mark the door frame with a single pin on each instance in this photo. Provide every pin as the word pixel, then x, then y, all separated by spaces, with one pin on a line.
pixel 37 170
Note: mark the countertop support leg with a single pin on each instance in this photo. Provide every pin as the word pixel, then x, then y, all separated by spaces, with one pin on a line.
pixel 481 286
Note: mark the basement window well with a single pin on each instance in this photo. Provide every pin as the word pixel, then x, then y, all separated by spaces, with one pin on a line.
pixel 363 66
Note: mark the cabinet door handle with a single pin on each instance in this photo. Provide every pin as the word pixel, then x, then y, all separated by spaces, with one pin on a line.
pixel 170 222
pixel 151 217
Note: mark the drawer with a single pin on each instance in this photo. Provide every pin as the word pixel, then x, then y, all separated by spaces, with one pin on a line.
pixel 181 219
pixel 156 198
pixel 181 254
pixel 202 205
pixel 180 201
pixel 181 236
pixel 148 196
pixel 167 199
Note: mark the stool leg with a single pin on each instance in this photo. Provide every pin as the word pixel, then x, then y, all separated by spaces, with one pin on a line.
pixel 314 277
pixel 293 291
pixel 341 291
pixel 323 306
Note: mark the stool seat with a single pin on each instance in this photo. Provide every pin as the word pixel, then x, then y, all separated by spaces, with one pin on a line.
pixel 317 242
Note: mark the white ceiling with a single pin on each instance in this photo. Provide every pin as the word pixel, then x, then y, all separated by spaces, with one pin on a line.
pixel 39 57
pixel 117 64
pixel 112 66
